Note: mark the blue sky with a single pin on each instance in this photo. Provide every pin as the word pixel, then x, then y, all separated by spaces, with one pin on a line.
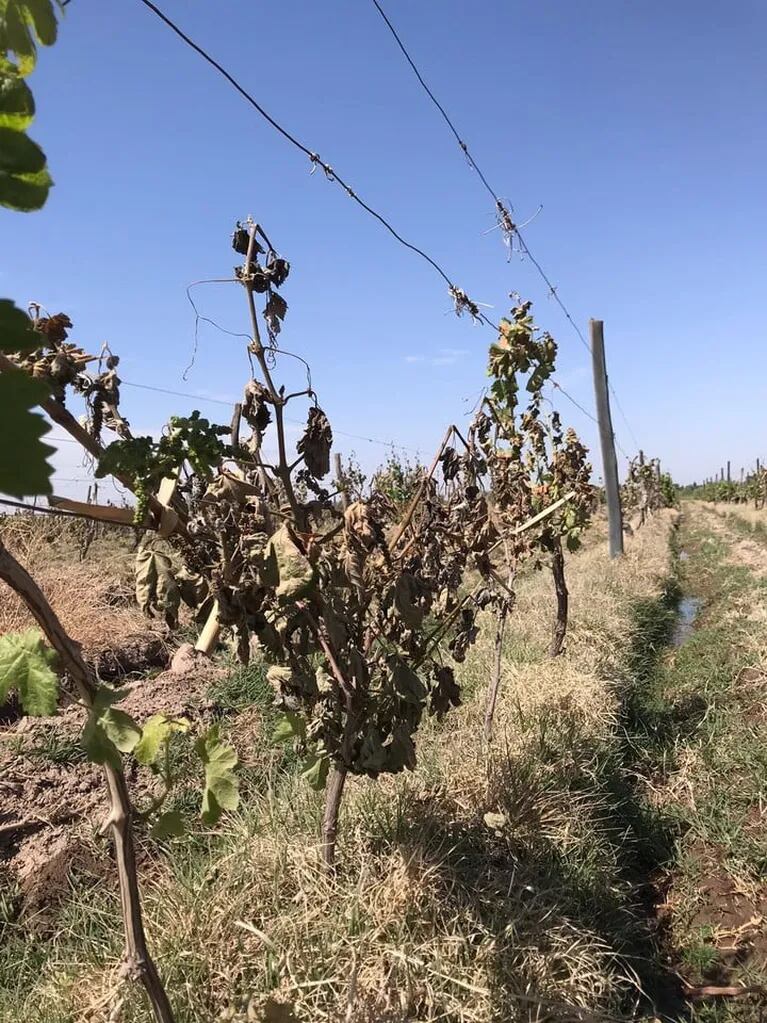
pixel 640 129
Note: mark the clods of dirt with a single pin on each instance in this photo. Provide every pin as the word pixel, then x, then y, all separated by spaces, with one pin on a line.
pixel 43 805
pixel 44 864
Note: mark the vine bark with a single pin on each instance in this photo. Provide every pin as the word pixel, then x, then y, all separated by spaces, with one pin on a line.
pixel 560 587
pixel 138 961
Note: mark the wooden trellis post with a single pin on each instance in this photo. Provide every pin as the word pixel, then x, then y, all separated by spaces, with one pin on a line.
pixel 607 440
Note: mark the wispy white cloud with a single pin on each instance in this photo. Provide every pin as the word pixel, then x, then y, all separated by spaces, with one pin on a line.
pixel 414 358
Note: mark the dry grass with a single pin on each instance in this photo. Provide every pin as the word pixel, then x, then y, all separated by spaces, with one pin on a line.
pixel 436 913
pixel 743 528
pixel 92 597
pixel 746 513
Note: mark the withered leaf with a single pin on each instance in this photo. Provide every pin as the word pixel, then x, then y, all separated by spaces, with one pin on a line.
pixel 316 443
pixel 296 573
pixel 406 683
pixel 54 328
pixel 336 629
pixel 400 752
pixel 156 588
pixel 372 755
pixel 274 313
pixel 451 464
pixel 255 406
pixel 278 269
pixel 445 693
pixel 357 521
pixel 406 594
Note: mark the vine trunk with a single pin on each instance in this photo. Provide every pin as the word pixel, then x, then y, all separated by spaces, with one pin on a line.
pixel 138 962
pixel 560 587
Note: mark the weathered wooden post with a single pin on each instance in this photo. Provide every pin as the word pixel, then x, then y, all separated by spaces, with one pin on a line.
pixel 606 439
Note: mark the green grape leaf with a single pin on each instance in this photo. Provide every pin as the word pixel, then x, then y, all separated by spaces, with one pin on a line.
pixel 97 745
pixel 25 192
pixel 109 731
pixel 154 735
pixel 25 665
pixel 19 154
pixel 289 726
pixel 168 825
pixel 24 471
pixel 23 24
pixel 17 105
pixel 221 791
pixel 16 333
pixel 120 729
pixel 315 771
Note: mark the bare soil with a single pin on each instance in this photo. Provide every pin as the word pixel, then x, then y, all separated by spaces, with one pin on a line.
pixel 50 813
pixel 736 919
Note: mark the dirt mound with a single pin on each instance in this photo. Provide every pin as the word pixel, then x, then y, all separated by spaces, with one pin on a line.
pixel 177 693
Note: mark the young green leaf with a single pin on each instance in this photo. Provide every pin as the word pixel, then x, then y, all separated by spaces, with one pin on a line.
pixel 109 731
pixel 24 23
pixel 24 471
pixel 289 726
pixel 19 154
pixel 315 771
pixel 120 729
pixel 25 192
pixel 167 825
pixel 97 744
pixel 154 735
pixel 25 665
pixel 17 105
pixel 221 791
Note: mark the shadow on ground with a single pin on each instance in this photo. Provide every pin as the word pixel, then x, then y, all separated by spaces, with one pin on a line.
pixel 561 884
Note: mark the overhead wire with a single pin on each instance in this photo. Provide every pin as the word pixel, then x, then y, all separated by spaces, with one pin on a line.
pixel 504 217
pixel 332 175
pixel 221 401
pixel 577 404
pixel 461 300
pixel 622 414
pixel 294 422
